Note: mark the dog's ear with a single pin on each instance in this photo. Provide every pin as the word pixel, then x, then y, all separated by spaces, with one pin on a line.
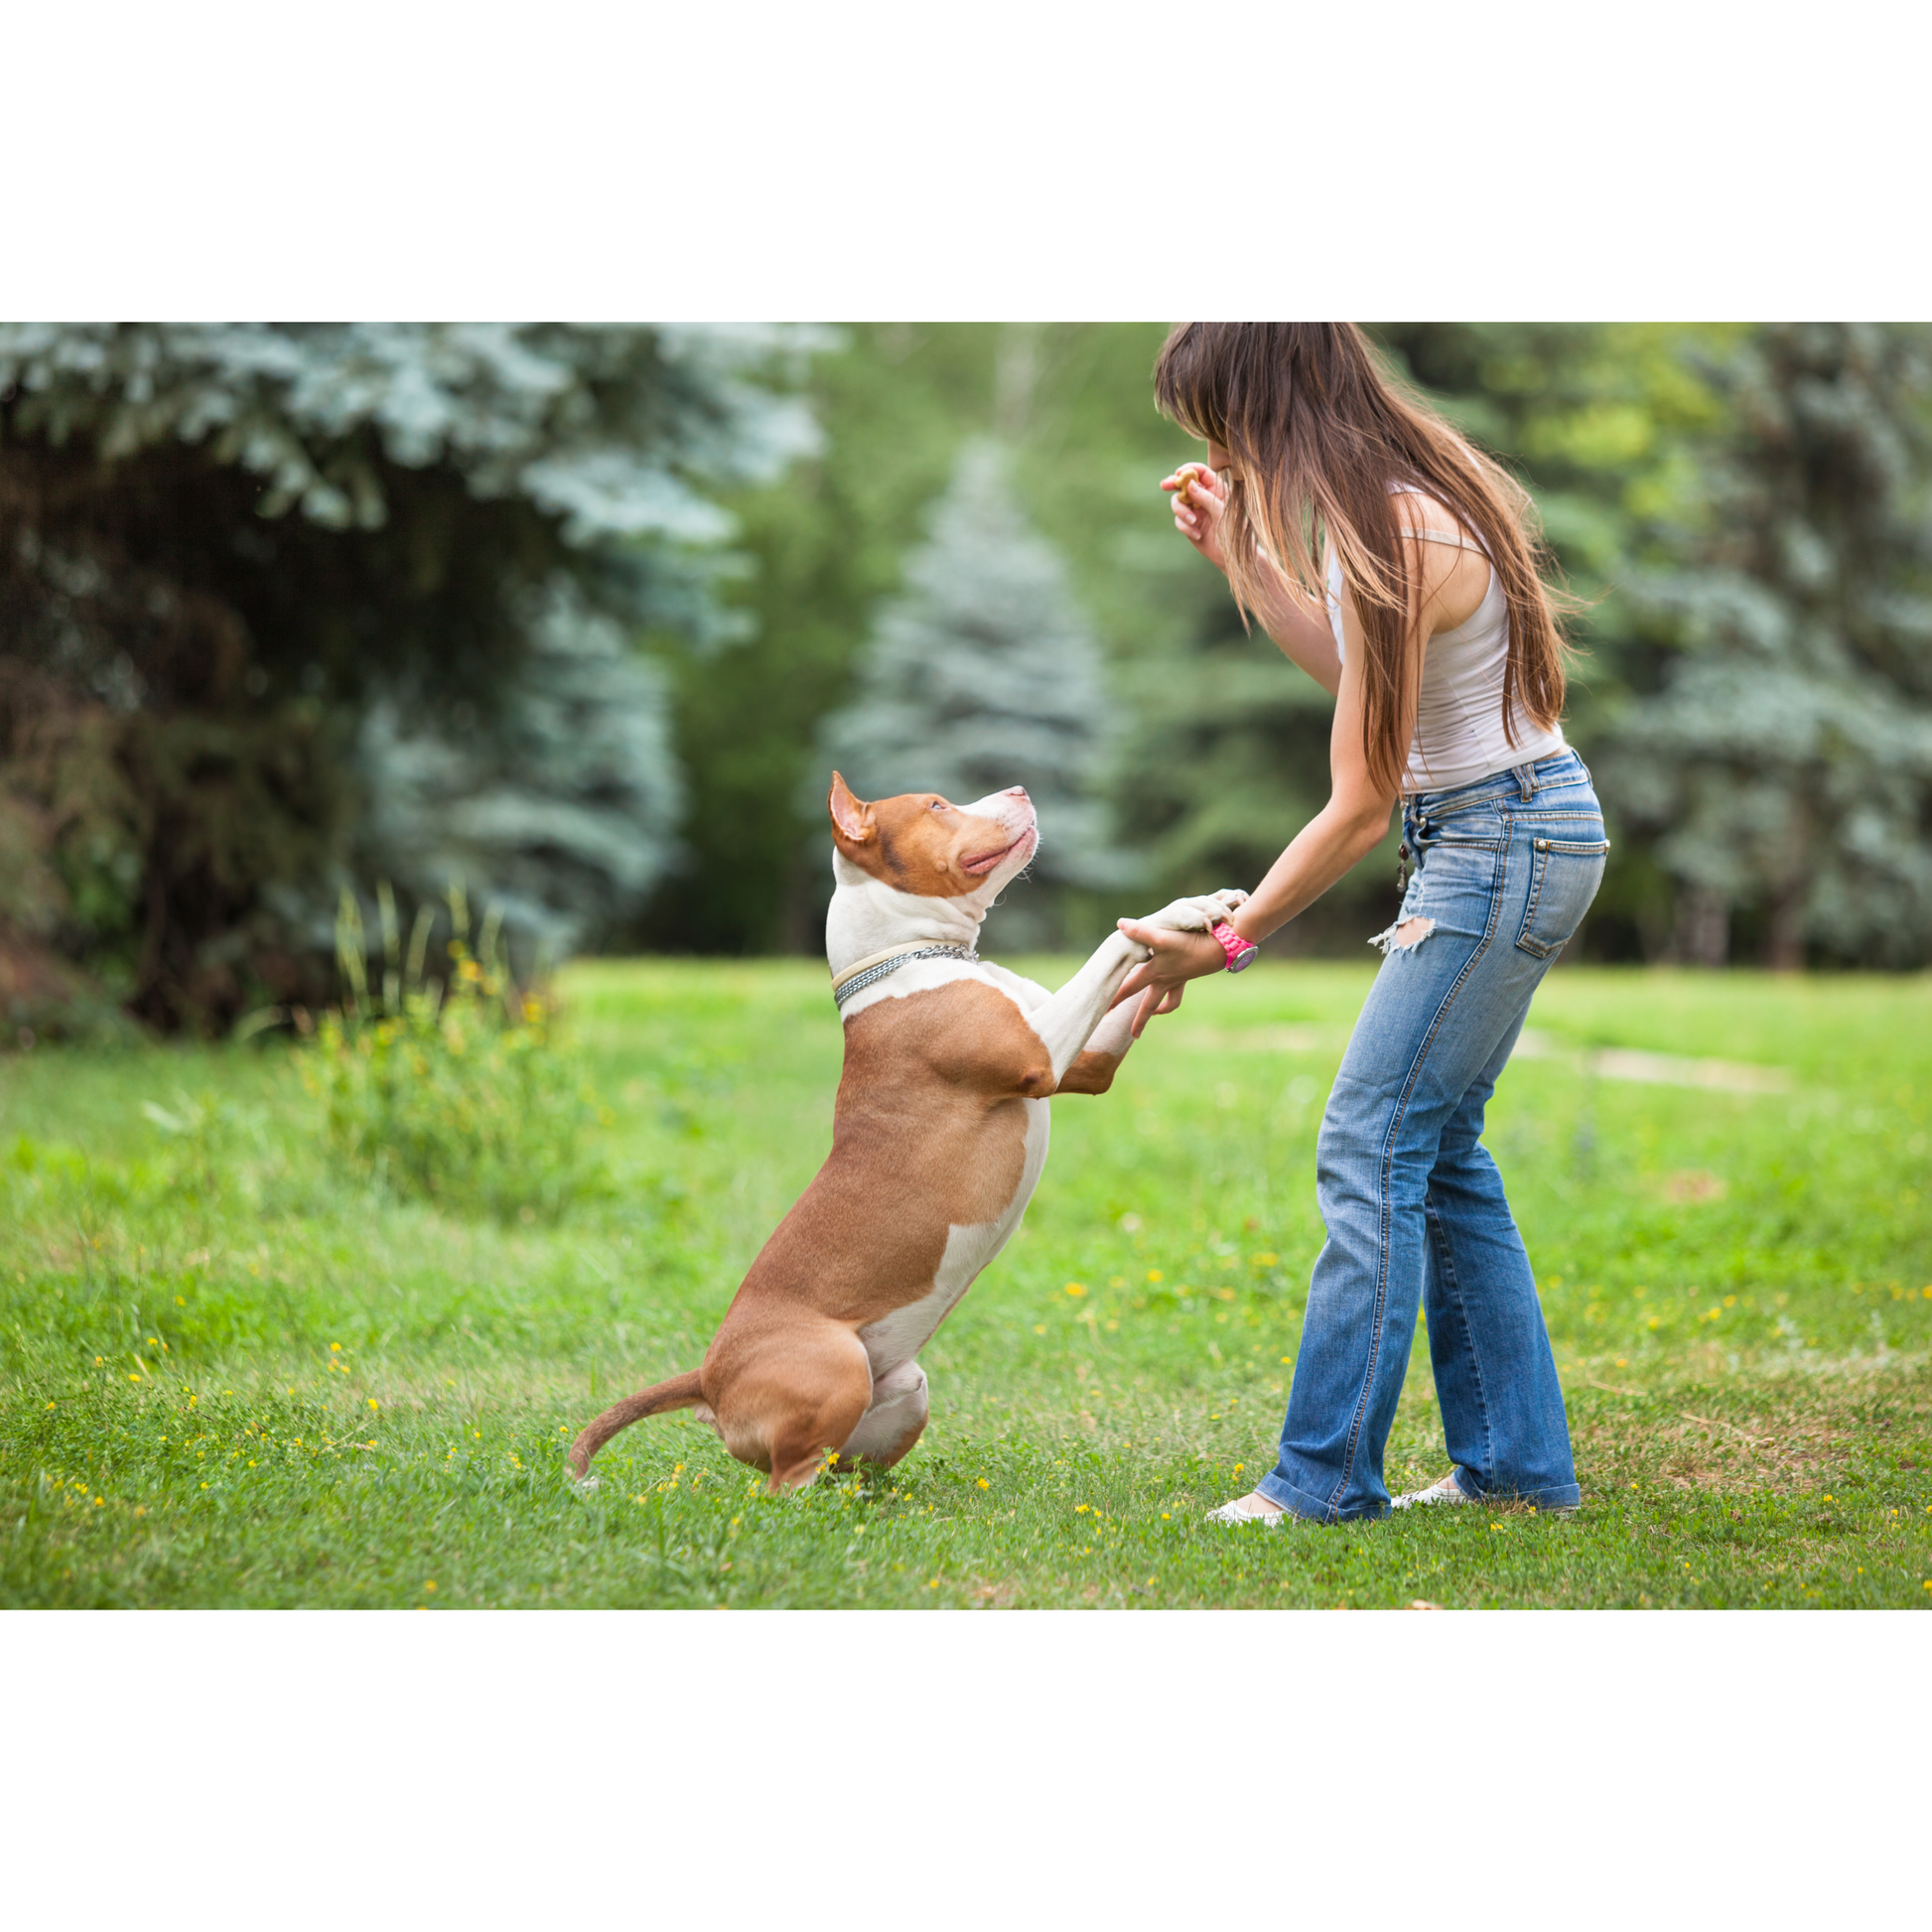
pixel 851 820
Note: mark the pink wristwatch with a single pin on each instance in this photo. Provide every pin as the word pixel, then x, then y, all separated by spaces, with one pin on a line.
pixel 1241 952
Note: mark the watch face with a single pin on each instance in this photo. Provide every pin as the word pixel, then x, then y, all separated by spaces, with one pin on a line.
pixel 1246 957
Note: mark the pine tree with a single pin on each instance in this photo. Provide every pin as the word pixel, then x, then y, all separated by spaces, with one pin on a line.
pixel 981 675
pixel 1785 765
pixel 564 812
pixel 234 558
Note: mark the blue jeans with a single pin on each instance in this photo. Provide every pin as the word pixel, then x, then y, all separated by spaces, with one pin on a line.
pixel 1410 1199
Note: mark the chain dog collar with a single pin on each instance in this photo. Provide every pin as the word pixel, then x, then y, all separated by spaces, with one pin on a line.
pixel 855 979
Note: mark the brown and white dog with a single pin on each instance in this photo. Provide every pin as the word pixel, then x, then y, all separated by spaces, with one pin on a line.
pixel 938 1139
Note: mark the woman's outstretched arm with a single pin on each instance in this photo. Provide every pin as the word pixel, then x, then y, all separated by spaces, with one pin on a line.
pixel 1335 840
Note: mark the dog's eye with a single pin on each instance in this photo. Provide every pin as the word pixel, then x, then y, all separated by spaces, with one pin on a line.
pixel 941 805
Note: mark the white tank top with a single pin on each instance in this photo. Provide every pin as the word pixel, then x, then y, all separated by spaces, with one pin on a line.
pixel 1460 707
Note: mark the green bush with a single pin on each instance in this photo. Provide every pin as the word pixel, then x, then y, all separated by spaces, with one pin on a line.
pixel 460 1090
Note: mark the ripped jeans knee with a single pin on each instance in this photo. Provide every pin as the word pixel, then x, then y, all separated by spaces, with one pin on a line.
pixel 1404 936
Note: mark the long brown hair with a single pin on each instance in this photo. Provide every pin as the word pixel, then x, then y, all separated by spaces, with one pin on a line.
pixel 1319 431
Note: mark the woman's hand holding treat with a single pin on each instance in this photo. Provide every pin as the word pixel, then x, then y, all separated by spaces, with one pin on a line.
pixel 1199 499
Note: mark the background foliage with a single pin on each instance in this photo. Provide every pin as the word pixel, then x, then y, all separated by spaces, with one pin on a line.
pixel 289 606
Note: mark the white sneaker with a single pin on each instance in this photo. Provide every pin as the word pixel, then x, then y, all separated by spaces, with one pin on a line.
pixel 1251 1508
pixel 1448 1490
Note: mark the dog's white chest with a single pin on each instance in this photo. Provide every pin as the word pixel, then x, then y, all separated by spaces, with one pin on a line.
pixel 899 1337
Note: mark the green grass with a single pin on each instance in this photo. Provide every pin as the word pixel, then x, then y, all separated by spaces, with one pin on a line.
pixel 230 1374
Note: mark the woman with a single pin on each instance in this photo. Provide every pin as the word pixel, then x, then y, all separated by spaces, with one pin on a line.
pixel 1429 624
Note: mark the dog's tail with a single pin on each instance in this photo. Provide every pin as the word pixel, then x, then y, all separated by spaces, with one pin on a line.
pixel 680 1392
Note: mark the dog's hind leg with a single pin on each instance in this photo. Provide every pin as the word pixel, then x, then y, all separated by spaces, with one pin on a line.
pixel 793 1399
pixel 896 1420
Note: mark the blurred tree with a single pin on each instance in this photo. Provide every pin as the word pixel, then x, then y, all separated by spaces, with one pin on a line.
pixel 898 402
pixel 895 401
pixel 1784 767
pixel 255 575
pixel 981 675
pixel 564 810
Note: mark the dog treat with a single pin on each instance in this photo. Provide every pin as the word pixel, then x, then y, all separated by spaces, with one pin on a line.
pixel 1187 472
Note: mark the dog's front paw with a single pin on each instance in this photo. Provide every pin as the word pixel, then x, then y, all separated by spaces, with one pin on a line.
pixel 1197 914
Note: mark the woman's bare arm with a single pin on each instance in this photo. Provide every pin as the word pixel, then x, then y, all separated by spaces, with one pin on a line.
pixel 1332 843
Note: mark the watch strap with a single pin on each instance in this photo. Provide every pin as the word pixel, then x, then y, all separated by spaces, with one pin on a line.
pixel 1239 950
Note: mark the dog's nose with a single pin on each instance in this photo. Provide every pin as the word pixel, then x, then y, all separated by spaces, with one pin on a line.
pixel 1017 791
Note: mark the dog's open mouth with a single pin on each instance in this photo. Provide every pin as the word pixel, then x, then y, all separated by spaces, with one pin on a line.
pixel 984 862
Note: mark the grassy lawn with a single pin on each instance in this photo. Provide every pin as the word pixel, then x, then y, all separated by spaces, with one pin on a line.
pixel 232 1373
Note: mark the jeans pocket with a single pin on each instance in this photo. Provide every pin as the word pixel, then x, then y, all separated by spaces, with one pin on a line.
pixel 1564 877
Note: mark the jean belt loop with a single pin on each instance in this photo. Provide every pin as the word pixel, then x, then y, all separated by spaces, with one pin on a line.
pixel 1525 776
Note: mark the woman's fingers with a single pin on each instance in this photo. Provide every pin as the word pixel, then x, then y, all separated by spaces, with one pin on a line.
pixel 1178 958
pixel 1155 1001
pixel 1196 494
pixel 1198 500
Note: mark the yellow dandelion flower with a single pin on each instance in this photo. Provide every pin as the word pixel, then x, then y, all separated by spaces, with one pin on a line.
pixel 984 1485
pixel 1075 1289
pixel 373 1403
pixel 431 1584
pixel 1155 1274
